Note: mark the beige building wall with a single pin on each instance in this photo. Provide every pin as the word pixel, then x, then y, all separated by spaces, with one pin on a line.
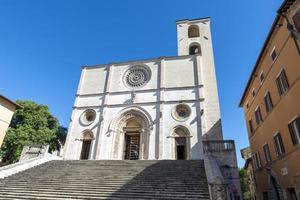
pixel 7 109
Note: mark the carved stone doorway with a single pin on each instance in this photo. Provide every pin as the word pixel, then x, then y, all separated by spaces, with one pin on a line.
pixel 131 131
pixel 85 150
pixel 181 148
pixel 87 137
pixel 181 144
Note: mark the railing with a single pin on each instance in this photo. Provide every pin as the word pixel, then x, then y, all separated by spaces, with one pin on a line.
pixel 218 145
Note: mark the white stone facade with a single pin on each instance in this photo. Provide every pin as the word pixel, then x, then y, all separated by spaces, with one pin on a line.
pixel 184 79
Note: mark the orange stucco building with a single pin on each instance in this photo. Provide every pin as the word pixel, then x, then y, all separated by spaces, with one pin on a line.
pixel 271 104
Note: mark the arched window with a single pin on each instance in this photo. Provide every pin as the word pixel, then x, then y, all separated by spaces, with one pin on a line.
pixel 87 137
pixel 195 49
pixel 193 31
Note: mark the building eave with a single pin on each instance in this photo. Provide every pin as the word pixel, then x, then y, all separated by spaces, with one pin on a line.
pixel 11 102
pixel 193 20
pixel 260 55
pixel 131 62
pixel 283 8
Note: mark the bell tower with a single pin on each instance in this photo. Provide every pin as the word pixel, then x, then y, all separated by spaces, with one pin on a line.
pixel 192 35
pixel 194 38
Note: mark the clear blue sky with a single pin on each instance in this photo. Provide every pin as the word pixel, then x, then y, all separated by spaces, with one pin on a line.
pixel 43 45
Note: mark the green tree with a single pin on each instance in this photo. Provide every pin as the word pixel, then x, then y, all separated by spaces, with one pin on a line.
pixel 33 124
pixel 244 180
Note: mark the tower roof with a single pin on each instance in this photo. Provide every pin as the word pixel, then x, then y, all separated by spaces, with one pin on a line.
pixel 193 20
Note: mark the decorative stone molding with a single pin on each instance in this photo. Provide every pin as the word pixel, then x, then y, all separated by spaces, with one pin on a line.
pixel 137 76
pixel 87 135
pixel 218 192
pixel 116 130
pixel 181 112
pixel 88 117
pixel 181 131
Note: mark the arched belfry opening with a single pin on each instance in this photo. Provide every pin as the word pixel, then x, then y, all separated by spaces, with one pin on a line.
pixel 130 131
pixel 86 138
pixel 182 143
pixel 195 48
pixel 193 31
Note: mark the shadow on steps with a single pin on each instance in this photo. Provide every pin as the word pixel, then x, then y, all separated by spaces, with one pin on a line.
pixel 167 179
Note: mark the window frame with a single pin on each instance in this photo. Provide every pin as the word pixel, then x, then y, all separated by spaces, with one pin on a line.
pixel 279 146
pixel 193 31
pixel 272 52
pixel 268 102
pixel 247 104
pixel 258 115
pixel 250 124
pixel 253 92
pixel 263 77
pixel 257 160
pixel 296 21
pixel 294 130
pixel 280 85
pixel 267 153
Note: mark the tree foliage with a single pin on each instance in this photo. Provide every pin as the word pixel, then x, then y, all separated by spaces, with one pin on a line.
pixel 33 124
pixel 244 180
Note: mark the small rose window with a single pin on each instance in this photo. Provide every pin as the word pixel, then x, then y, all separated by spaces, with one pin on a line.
pixel 181 112
pixel 88 117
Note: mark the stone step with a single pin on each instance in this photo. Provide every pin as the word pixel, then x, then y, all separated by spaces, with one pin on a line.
pixel 59 191
pixel 109 180
pixel 94 188
pixel 21 194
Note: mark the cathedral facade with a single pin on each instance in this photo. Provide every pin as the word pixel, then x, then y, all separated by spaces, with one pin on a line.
pixel 159 108
pixel 155 109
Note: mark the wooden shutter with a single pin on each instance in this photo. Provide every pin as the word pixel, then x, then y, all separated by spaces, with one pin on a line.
pixel 281 144
pixel 279 86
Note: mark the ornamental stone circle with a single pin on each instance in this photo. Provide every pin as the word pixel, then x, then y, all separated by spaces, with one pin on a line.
pixel 137 76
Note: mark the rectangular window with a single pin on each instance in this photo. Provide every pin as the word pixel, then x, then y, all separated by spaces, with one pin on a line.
pixel 296 19
pixel 257 160
pixel 279 144
pixel 247 105
pixel 274 54
pixel 267 153
pixel 253 92
pixel 250 126
pixel 282 83
pixel 261 77
pixel 258 116
pixel 294 128
pixel 268 102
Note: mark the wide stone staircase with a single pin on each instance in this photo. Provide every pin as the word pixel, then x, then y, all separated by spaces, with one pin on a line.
pixel 109 179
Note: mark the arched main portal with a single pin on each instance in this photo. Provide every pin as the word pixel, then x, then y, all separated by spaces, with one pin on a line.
pixel 131 131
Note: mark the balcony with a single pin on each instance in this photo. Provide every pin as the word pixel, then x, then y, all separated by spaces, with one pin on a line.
pixel 210 146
